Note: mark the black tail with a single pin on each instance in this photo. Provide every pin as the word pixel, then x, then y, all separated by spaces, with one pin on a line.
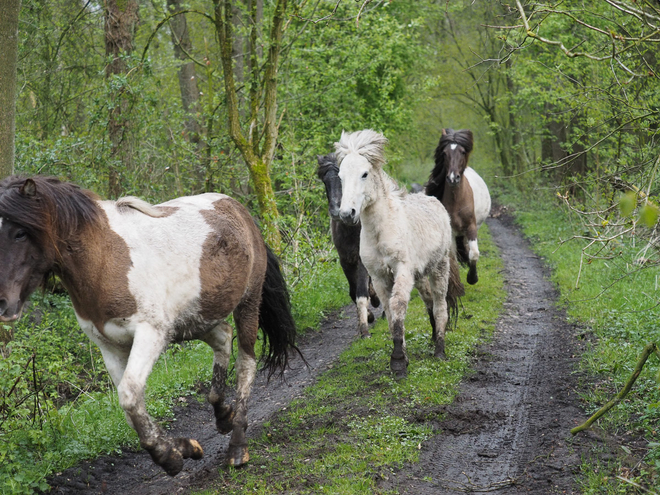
pixel 455 291
pixel 275 319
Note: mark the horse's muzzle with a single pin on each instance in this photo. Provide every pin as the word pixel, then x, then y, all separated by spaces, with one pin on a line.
pixel 8 314
pixel 453 179
pixel 349 217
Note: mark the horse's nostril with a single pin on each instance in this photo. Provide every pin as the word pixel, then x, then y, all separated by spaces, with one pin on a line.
pixel 3 306
pixel 353 213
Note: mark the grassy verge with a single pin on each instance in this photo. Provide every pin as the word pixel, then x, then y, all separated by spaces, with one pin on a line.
pixel 57 406
pixel 357 423
pixel 623 317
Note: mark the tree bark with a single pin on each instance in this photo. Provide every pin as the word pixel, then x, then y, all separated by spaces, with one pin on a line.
pixel 8 63
pixel 121 18
pixel 257 145
pixel 186 73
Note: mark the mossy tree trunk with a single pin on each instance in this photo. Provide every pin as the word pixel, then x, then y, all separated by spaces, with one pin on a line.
pixel 8 58
pixel 256 138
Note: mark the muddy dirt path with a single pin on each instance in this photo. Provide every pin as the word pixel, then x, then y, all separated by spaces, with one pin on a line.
pixel 506 432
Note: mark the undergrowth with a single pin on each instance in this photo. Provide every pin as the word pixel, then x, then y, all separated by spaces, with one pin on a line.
pixel 616 302
pixel 357 424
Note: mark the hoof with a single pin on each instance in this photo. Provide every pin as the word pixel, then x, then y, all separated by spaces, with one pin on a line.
pixel 440 351
pixel 472 278
pixel 370 316
pixel 190 449
pixel 173 463
pixel 399 367
pixel 237 455
pixel 225 423
pixel 365 335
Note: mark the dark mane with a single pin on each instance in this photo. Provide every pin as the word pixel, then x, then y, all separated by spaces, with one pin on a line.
pixel 436 183
pixel 326 163
pixel 57 210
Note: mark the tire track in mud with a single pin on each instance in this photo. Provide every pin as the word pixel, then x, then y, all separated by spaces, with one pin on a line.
pixel 508 429
pixel 134 473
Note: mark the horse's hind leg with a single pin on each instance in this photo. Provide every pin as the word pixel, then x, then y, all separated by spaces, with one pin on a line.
pixel 439 280
pixel 220 341
pixel 246 316
pixel 168 453
pixel 473 255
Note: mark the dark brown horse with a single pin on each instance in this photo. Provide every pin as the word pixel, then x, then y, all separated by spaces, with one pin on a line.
pixel 142 276
pixel 467 201
pixel 347 242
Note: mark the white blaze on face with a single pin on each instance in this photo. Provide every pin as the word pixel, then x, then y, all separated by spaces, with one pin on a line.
pixel 1 219
pixel 453 146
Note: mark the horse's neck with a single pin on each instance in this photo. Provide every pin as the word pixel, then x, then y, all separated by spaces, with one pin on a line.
pixel 382 213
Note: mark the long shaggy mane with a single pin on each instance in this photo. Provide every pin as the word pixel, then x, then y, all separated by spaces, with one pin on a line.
pixel 326 163
pixel 367 143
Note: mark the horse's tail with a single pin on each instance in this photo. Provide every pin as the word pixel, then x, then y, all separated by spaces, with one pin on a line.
pixel 275 318
pixel 455 290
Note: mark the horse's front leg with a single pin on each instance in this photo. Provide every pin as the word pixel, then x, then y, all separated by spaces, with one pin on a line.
pixel 362 301
pixel 424 287
pixel 168 453
pixel 473 254
pixel 403 285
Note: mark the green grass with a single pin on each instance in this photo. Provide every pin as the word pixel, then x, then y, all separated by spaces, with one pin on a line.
pixel 357 423
pixel 623 319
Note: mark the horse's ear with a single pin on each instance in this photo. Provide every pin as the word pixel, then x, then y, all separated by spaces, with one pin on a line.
pixel 444 132
pixel 29 188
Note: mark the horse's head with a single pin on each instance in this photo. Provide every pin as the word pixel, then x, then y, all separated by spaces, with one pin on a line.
pixel 328 172
pixel 454 151
pixel 39 218
pixel 361 157
pixel 22 259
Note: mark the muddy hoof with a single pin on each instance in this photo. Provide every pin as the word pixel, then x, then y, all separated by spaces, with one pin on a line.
pixel 190 449
pixel 224 423
pixel 370 316
pixel 365 335
pixel 173 463
pixel 237 455
pixel 399 367
pixel 472 278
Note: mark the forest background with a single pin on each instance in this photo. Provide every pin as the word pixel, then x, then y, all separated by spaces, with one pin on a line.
pixel 166 98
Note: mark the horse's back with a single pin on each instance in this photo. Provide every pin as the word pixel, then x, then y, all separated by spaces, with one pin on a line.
pixel 201 257
pixel 480 193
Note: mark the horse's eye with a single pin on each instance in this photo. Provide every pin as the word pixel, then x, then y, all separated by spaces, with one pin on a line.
pixel 21 235
pixel 364 175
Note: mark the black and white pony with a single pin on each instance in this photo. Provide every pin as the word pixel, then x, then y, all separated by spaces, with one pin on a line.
pixel 347 242
pixel 405 241
pixel 462 192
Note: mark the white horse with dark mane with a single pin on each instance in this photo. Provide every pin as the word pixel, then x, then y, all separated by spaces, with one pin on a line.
pixel 406 241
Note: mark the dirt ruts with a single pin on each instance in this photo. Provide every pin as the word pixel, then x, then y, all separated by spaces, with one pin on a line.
pixel 507 431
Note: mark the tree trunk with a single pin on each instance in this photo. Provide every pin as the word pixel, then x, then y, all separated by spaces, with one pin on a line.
pixel 187 75
pixel 8 58
pixel 121 18
pixel 257 145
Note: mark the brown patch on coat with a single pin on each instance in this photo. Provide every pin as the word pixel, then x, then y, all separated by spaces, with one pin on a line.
pixel 94 269
pixel 233 264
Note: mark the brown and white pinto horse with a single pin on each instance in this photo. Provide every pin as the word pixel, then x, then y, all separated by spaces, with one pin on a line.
pixel 467 201
pixel 142 276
